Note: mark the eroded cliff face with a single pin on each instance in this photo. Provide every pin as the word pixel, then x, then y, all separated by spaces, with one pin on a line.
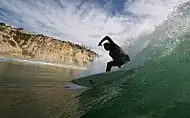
pixel 16 43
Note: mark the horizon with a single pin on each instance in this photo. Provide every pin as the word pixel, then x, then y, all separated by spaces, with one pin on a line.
pixel 86 22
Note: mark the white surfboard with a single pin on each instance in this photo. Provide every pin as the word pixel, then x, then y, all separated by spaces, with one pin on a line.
pixel 101 78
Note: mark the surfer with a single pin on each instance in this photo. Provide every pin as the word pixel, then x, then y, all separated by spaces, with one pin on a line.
pixel 118 55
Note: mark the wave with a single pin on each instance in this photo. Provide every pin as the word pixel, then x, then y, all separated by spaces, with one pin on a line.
pixel 157 43
pixel 161 87
pixel 39 63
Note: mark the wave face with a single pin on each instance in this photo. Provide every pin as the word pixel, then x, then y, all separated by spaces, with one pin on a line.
pixel 160 89
pixel 156 42
pixel 87 21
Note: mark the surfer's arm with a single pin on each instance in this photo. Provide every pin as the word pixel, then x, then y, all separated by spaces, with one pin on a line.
pixel 106 38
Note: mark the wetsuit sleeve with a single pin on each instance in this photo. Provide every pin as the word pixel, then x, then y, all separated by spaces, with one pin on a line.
pixel 109 40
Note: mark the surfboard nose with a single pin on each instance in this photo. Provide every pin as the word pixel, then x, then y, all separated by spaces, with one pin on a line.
pixel 71 86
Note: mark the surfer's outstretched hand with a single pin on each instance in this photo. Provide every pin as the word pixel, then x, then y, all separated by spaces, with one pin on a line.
pixel 99 44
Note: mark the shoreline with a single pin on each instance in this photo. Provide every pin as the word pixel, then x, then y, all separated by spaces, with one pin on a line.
pixel 36 62
pixel 15 43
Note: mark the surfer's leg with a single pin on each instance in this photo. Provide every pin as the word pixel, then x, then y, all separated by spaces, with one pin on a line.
pixel 110 64
pixel 124 60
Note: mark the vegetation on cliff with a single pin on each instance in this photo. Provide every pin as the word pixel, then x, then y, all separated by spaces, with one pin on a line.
pixel 17 43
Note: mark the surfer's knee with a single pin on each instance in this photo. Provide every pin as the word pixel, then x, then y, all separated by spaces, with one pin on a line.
pixel 109 64
pixel 127 58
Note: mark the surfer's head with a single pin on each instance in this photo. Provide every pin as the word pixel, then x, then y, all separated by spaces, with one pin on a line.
pixel 107 46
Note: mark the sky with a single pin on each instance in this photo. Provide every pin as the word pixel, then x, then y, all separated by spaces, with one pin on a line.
pixel 87 21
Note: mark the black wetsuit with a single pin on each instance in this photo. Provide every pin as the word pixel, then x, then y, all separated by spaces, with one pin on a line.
pixel 118 55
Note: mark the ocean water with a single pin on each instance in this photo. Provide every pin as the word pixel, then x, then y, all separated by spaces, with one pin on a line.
pixel 159 89
pixel 35 90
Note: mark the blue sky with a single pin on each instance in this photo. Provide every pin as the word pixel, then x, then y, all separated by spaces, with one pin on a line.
pixel 114 6
pixel 87 21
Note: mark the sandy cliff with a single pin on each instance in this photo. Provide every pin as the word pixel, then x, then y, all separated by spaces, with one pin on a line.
pixel 15 42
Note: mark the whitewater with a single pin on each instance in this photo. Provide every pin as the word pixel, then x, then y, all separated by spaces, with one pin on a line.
pixel 86 22
pixel 158 35
pixel 160 88
pixel 157 40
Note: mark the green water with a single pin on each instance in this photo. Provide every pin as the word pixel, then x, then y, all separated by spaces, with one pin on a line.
pixel 161 89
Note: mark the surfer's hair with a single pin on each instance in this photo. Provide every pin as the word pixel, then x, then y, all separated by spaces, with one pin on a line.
pixel 107 46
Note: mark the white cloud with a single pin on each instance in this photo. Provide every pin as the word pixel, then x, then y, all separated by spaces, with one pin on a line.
pixel 64 20
pixel 87 25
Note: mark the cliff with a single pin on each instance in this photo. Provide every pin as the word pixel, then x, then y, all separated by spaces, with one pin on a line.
pixel 14 42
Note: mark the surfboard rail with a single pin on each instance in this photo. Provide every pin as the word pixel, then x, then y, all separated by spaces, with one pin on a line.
pixel 101 78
